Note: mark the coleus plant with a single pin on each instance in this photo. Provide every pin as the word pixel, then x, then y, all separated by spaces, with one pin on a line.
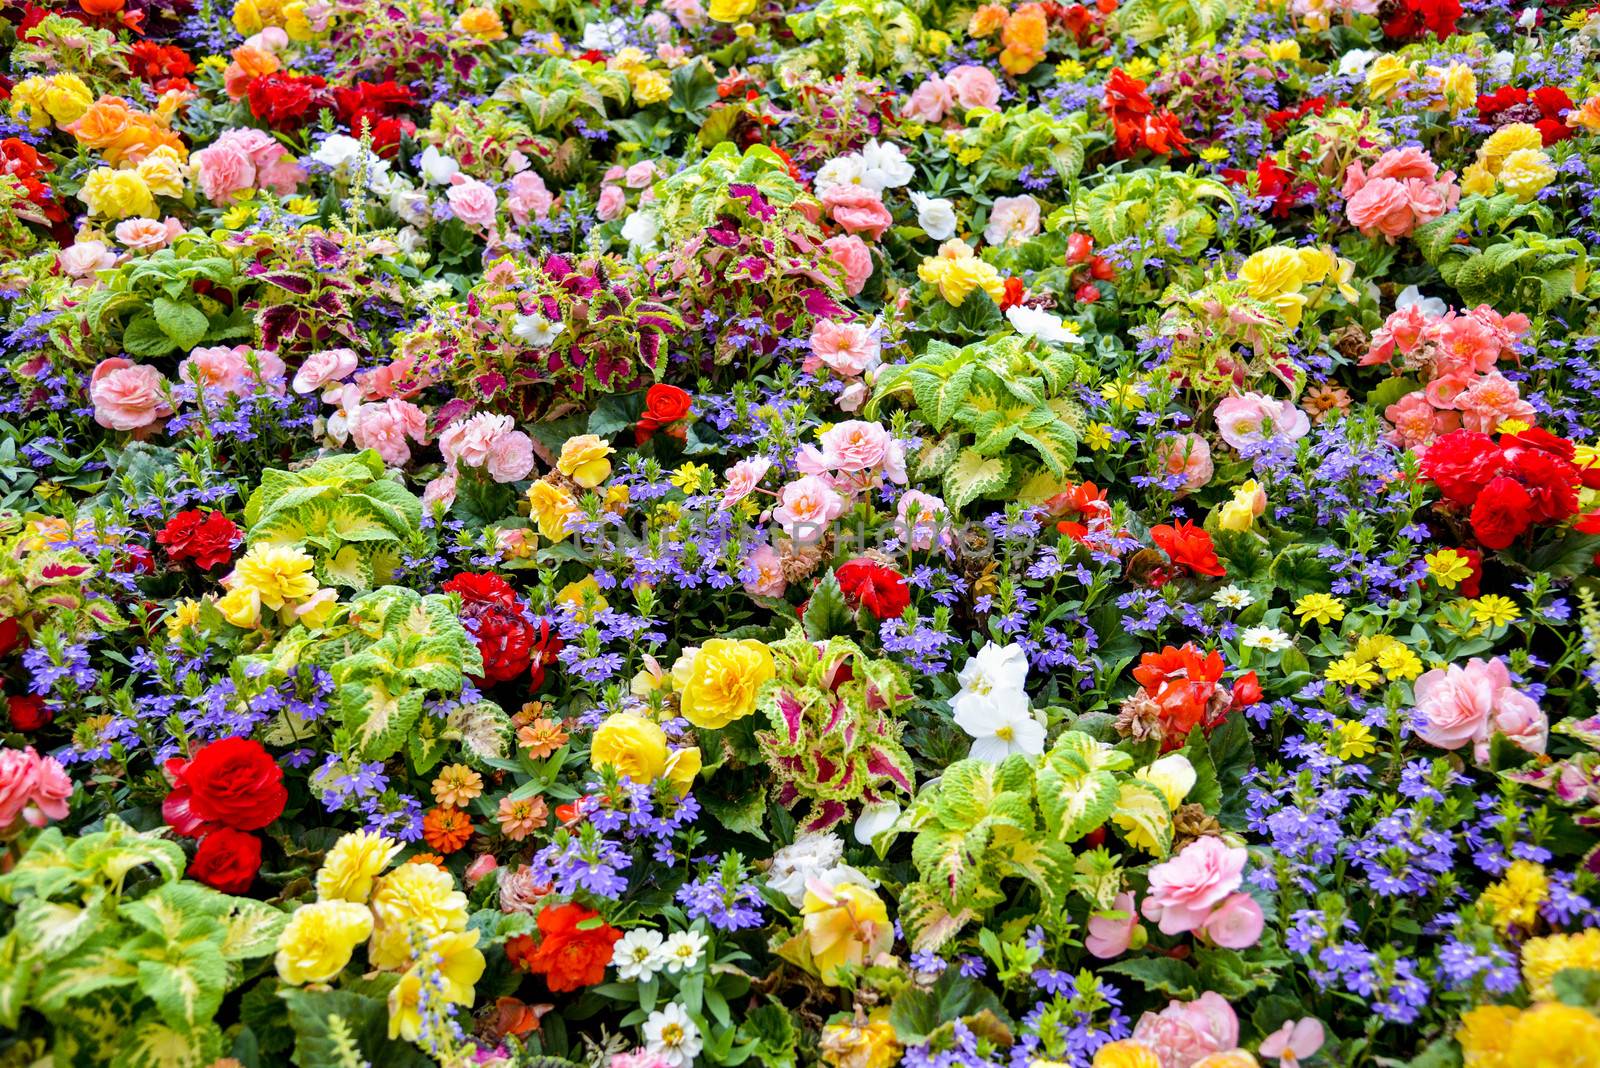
pixel 167 302
pixel 835 737
pixel 100 947
pixel 1499 251
pixel 343 510
pixel 538 334
pixel 982 823
pixel 387 653
pixel 985 399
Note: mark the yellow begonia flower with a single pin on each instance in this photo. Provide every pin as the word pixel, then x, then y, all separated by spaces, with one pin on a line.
pixel 583 459
pixel 631 745
pixel 318 940
pixel 719 682
pixel 354 862
pixel 844 925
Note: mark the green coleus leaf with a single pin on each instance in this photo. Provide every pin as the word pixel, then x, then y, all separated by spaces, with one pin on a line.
pixel 99 964
pixel 155 1043
pixel 251 930
pixel 378 718
pixel 183 973
pixel 940 392
pixel 973 475
pixel 16 976
pixel 1077 790
pixel 1142 814
pixel 53 929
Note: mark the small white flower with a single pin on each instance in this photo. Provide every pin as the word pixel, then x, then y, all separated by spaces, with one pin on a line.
pixel 437 167
pixel 1032 322
pixel 1432 307
pixel 672 1036
pixel 605 36
pixel 885 165
pixel 638 955
pixel 875 819
pixel 1233 597
pixel 840 170
pixel 936 216
pixel 641 230
pixel 795 865
pixel 1271 639
pixel 337 150
pixel 536 330
pixel 683 951
pixel 1356 60
pixel 1000 724
pixel 433 289
pixel 996 667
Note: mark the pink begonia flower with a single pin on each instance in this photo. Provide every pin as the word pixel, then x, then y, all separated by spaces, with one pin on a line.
pixel 441 490
pixel 858 209
pixel 1012 220
pixel 389 427
pixel 147 235
pixel 490 442
pixel 225 370
pixel 612 204
pixel 743 477
pixel 929 101
pixel 847 349
pixel 1184 1033
pixel 1236 923
pixel 33 788
pixel 1401 192
pixel 472 201
pixel 1417 423
pixel 528 198
pixel 1464 703
pixel 851 253
pixel 241 160
pixel 763 572
pixel 806 506
pixel 1184 890
pixel 126 395
pixel 324 368
pixel 920 519
pixel 1295 1040
pixel 855 447
pixel 1110 937
pixel 640 175
pixel 1188 455
pixel 973 87
pixel 83 259
pixel 1253 417
pixel 1490 400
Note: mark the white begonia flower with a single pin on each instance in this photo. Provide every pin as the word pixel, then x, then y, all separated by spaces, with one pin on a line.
pixel 1033 322
pixel 536 330
pixel 849 169
pixel 641 230
pixel 437 167
pixel 936 216
pixel 875 819
pixel 885 166
pixel 1001 724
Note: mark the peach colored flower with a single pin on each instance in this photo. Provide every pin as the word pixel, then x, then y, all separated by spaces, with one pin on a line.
pixel 126 395
pixel 858 209
pixel 847 349
pixel 851 253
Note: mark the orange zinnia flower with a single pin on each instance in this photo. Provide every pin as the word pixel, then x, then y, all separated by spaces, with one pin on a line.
pixel 446 829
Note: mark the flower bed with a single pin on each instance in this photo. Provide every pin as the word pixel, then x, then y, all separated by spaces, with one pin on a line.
pixel 863 532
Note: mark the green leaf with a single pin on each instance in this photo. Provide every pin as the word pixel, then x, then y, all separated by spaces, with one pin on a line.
pixel 827 615
pixel 1144 807
pixel 973 475
pixel 251 930
pixel 143 336
pixel 1159 975
pixel 939 394
pixel 919 1015
pixel 152 1043
pixel 184 324
pixel 367 1020
pixel 1077 791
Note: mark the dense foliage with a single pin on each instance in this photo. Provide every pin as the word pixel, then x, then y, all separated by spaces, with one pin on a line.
pixel 861 532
